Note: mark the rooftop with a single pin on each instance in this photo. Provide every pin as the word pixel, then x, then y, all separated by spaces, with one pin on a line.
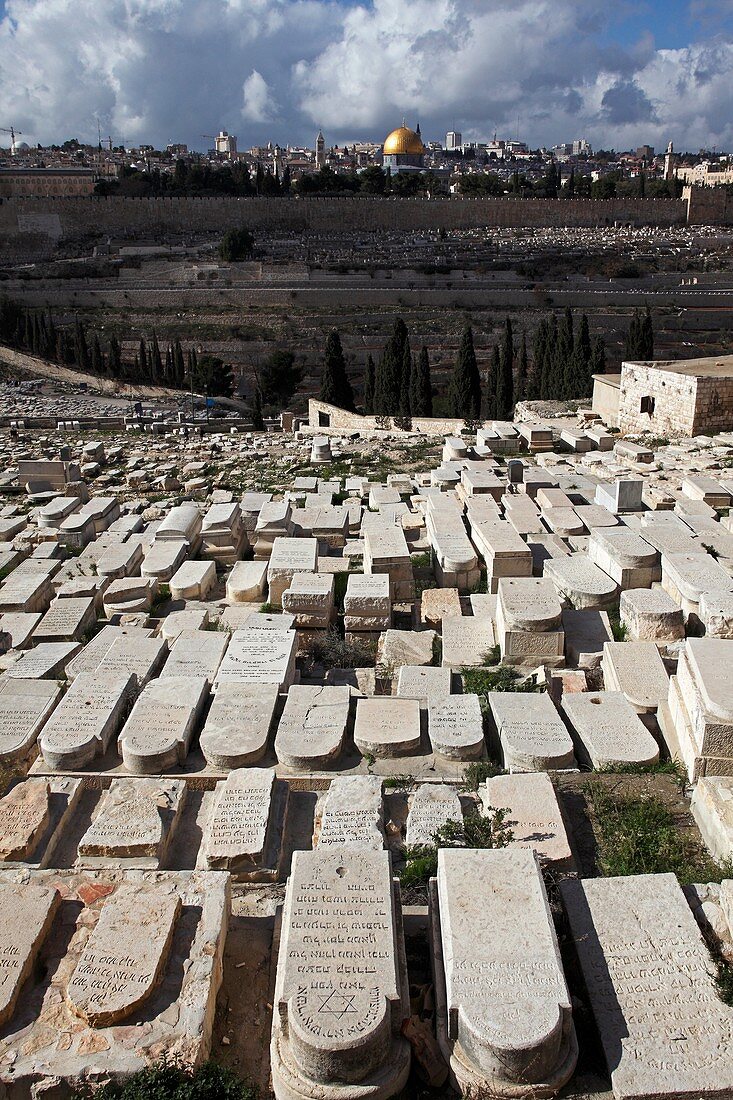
pixel 710 366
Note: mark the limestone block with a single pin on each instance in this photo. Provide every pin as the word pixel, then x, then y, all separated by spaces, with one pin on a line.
pixel 26 914
pixel 456 727
pixel 406 647
pixel 432 806
pixel 651 615
pixel 608 730
pixel 636 670
pixel 135 822
pixel 712 808
pixel 387 727
pixel 159 731
pixel 580 583
pixel 238 725
pixel 351 814
pixel 87 719
pixel 312 727
pixel 534 817
pixel 193 580
pixel 247 581
pixel 530 732
pixel 196 654
pixel 24 707
pixel 466 641
pixel 504 1018
pixel 238 837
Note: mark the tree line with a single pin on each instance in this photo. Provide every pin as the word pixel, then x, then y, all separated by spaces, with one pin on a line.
pixel 37 332
pixel 398 386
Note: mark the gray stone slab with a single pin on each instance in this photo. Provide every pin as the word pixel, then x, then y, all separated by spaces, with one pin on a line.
pixel 351 814
pixel 86 720
pixel 238 725
pixel 161 726
pixel 312 728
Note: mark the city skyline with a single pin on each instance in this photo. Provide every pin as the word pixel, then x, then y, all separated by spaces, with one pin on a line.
pixel 276 70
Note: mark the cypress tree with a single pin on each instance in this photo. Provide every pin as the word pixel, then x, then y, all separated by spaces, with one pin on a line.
pixel 647 335
pixel 81 350
pixel 598 356
pixel 369 387
pixel 335 386
pixel 156 362
pixel 179 367
pixel 141 362
pixel 406 382
pixel 549 375
pixel 114 358
pixel 464 391
pixel 388 380
pixel 168 365
pixel 505 377
pixel 522 371
pixel 258 422
pixel 492 381
pixel 539 351
pixel 421 397
pixel 97 362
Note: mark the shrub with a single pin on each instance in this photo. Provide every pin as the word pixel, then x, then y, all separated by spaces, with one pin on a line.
pixel 333 651
pixel 172 1081
pixel 488 830
pixel 236 244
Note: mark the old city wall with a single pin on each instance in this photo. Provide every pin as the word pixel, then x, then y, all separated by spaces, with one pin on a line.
pixel 114 216
pixel 324 418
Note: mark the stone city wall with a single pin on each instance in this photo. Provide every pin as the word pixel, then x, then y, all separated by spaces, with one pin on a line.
pixel 81 217
pixel 324 418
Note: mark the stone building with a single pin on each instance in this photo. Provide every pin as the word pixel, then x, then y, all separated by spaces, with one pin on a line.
pixel 685 397
pixel 404 150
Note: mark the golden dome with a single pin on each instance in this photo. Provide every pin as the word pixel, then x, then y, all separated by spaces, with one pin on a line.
pixel 404 140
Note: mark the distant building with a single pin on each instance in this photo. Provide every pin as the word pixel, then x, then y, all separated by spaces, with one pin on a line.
pixel 581 148
pixel 453 140
pixel 645 152
pixel 669 162
pixel 226 144
pixel 707 174
pixel 45 183
pixel 688 396
pixel 320 150
pixel 403 150
pixel 177 149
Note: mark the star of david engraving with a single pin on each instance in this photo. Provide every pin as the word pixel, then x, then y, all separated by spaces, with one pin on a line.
pixel 337 1004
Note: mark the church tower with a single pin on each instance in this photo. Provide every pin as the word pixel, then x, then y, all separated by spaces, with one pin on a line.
pixel 320 150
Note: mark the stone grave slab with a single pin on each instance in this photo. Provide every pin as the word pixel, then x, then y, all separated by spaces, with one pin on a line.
pixel 423 682
pixel 608 730
pixel 193 580
pixel 126 954
pixel 531 734
pixel 456 727
pixel 196 654
pixel 159 731
pixel 131 654
pixel 312 728
pixel 651 615
pixel 24 707
pixel 580 583
pixel 86 720
pixel 241 835
pixel 350 814
pixel 534 815
pixel 504 1017
pixel 135 822
pixel 46 1045
pixel 45 661
pixel 66 620
pixel 259 655
pixel 340 992
pixel 247 581
pixel 26 592
pixel 466 640
pixel 649 977
pixel 406 647
pixel 26 913
pixel 586 633
pixel 289 556
pixel 33 816
pixel 97 649
pixel 20 626
pixel 238 725
pixel 636 670
pixel 432 806
pixel 387 727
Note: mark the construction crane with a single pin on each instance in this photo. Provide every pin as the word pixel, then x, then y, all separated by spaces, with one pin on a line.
pixel 12 131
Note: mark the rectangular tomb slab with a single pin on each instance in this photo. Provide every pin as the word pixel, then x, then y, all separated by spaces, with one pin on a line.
pixel 650 980
pixel 46 661
pixel 312 727
pixel 456 727
pixel 87 718
pixel 143 657
pixel 196 653
pixel 534 816
pixel 134 825
pixel 159 731
pixel 259 655
pixel 432 806
pixel 46 1044
pixel 351 814
pixel 503 1010
pixel 608 730
pixel 24 707
pixel 126 954
pixel 26 913
pixel 238 725
pixel 97 649
pixel 531 733
pixel 387 727
pixel 340 993
pixel 239 828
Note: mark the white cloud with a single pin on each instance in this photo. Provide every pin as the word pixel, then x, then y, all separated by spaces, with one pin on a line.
pixel 164 70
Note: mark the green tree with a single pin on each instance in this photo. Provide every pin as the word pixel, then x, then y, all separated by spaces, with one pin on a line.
pixel 639 342
pixel 505 379
pixel 406 381
pixel 464 391
pixel 520 390
pixel 142 362
pixel 421 393
pixel 156 363
pixel 81 350
pixel 114 358
pixel 372 180
pixel 97 360
pixel 388 379
pixel 335 385
pixel 214 377
pixel 492 381
pixel 258 422
pixel 236 245
pixel 369 387
pixel 279 378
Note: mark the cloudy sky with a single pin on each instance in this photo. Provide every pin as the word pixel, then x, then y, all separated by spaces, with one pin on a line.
pixel 618 73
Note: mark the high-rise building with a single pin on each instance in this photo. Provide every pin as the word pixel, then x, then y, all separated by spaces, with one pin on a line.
pixel 453 140
pixel 580 147
pixel 226 144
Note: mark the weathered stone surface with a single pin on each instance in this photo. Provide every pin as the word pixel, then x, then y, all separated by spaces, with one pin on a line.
pixel 126 954
pixel 651 615
pixel 351 814
pixel 26 913
pixel 312 728
pixel 580 583
pixel 87 718
pixel 406 647
pixel 238 725
pixel 259 655
pixel 340 992
pixel 143 657
pixel 387 727
pixel 664 1030
pixel 24 817
pixel 608 729
pixel 636 670
pixel 466 640
pixel 97 649
pixel 134 824
pixel 235 838
pixel 456 727
pixel 432 806
pixel 531 733
pixel 247 581
pixel 503 1010
pixel 534 814
pixel 24 707
pixel 66 620
pixel 158 733
pixel 423 682
pixel 46 661
pixel 712 808
pixel 196 654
